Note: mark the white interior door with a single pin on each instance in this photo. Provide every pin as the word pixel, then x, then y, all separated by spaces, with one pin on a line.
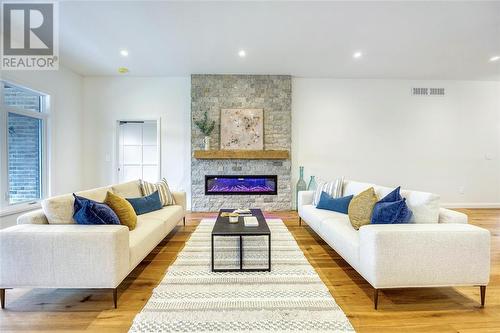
pixel 138 150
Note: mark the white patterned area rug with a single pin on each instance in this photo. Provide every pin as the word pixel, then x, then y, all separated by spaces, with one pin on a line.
pixel 290 298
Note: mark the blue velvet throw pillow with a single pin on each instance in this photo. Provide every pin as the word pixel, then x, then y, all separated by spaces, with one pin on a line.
pixel 92 212
pixel 340 205
pixel 146 204
pixel 391 209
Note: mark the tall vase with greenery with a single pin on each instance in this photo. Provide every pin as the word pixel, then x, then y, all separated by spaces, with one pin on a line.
pixel 206 127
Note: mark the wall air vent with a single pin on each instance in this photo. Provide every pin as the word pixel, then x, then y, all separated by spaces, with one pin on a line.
pixel 428 91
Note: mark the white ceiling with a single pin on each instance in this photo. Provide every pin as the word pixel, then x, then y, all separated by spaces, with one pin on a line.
pixel 406 40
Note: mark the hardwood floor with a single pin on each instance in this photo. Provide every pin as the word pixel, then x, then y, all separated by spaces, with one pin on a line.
pixel 410 310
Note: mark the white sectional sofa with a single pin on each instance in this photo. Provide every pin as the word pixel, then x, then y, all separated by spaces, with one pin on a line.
pixel 39 254
pixel 437 249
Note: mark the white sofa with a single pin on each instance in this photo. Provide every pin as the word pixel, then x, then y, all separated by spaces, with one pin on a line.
pixel 437 249
pixel 48 250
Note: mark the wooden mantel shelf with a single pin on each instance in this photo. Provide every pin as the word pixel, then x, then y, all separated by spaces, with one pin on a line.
pixel 241 154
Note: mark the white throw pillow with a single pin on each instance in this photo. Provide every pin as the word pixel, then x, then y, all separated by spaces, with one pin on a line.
pixel 424 206
pixel 333 188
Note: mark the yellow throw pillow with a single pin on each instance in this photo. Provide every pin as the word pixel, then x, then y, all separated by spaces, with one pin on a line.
pixel 123 209
pixel 361 208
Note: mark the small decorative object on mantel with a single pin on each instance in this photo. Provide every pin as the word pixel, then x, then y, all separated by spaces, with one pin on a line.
pixel 206 127
pixel 312 184
pixel 301 184
pixel 242 129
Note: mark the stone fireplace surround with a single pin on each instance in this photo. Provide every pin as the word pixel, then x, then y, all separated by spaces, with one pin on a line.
pixel 212 93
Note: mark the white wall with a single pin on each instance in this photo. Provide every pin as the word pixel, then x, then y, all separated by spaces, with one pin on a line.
pixel 375 131
pixel 109 99
pixel 368 130
pixel 65 132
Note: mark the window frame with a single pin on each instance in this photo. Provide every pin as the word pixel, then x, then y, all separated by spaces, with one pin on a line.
pixel 44 116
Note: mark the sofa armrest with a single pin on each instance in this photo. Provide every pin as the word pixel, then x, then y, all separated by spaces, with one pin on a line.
pixel 180 199
pixel 305 198
pixel 64 256
pixel 33 217
pixel 452 216
pixel 424 255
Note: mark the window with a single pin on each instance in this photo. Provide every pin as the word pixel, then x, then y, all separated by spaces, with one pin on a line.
pixel 24 116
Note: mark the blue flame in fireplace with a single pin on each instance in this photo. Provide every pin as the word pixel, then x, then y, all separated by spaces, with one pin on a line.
pixel 235 185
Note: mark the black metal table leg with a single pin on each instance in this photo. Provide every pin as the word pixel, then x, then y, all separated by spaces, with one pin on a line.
pixel 213 259
pixel 241 252
pixel 269 253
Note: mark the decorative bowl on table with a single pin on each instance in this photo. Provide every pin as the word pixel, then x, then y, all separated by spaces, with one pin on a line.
pixel 233 218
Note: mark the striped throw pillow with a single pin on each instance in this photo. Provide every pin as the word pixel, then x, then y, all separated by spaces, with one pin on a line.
pixel 166 196
pixel 334 189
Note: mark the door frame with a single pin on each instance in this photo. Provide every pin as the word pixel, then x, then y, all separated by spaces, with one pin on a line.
pixel 116 164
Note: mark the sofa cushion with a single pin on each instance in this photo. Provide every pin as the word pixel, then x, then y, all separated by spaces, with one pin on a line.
pixel 170 215
pixel 59 209
pixel 92 212
pixel 314 216
pixel 123 209
pixel 391 209
pixel 149 231
pixel 130 189
pixel 146 204
pixel 424 206
pixel 354 188
pixel 391 212
pixel 163 189
pixel 340 205
pixel 342 237
pixel 333 189
pixel 96 194
pixel 361 208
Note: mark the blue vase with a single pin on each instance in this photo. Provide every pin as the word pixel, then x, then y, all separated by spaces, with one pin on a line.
pixel 312 184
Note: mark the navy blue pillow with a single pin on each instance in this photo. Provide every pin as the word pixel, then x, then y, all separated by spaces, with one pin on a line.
pixel 146 204
pixel 340 205
pixel 391 209
pixel 393 196
pixel 92 212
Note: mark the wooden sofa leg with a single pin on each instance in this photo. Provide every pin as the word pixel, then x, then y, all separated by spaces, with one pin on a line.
pixel 483 295
pixel 300 221
pixel 115 297
pixel 375 299
pixel 2 298
pixel 184 220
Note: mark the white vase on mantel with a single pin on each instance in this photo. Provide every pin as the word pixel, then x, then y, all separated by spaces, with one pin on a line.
pixel 207 142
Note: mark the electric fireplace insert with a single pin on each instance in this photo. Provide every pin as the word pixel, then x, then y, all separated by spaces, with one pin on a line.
pixel 241 184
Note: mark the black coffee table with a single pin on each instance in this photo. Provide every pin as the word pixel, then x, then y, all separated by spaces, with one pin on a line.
pixel 223 228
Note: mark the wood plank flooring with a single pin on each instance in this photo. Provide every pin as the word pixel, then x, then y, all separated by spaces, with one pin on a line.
pixel 408 310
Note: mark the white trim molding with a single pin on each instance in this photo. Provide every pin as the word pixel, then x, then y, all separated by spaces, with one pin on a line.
pixel 472 205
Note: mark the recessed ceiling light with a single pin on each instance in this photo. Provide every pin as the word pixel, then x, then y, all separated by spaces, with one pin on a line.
pixel 242 53
pixel 495 58
pixel 123 70
pixel 124 53
pixel 357 55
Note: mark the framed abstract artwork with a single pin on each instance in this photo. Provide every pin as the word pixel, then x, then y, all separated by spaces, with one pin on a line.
pixel 242 129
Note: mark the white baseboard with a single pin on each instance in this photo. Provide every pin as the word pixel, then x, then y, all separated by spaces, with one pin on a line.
pixel 472 205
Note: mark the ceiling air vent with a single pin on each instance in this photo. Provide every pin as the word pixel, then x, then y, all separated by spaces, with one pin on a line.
pixel 427 91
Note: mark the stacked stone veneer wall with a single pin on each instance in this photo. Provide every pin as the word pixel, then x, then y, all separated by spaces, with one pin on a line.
pixel 211 93
pixel 24 146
